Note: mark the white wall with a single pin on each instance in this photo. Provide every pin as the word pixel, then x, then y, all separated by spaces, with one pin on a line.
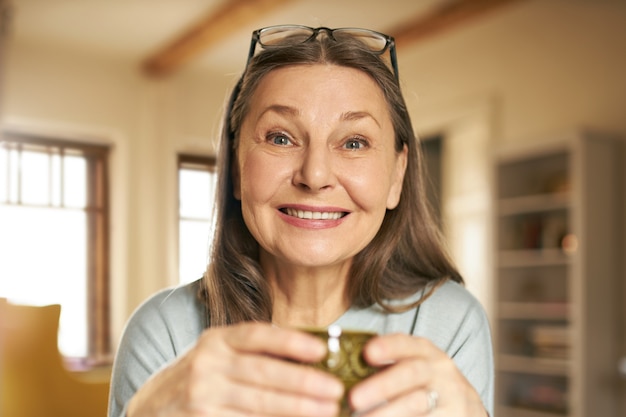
pixel 536 67
pixel 549 64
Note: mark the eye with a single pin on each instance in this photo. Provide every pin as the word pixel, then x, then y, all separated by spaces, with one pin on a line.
pixel 279 139
pixel 355 144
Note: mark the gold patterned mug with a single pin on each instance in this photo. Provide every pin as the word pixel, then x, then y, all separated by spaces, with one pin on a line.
pixel 344 358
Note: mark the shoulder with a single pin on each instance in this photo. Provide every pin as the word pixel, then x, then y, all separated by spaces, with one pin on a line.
pixel 444 314
pixel 451 317
pixel 172 300
pixel 453 305
pixel 172 318
pixel 447 306
pixel 162 328
pixel 452 301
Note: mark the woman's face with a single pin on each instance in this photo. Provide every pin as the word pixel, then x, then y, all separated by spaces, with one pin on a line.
pixel 316 164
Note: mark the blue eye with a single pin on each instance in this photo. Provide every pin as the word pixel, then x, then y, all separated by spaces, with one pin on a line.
pixel 280 139
pixel 354 144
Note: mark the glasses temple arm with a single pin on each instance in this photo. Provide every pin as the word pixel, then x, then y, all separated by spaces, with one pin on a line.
pixel 253 43
pixel 394 59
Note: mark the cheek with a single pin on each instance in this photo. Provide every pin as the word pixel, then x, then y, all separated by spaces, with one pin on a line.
pixel 258 178
pixel 368 187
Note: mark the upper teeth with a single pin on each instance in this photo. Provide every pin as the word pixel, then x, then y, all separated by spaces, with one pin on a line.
pixel 315 215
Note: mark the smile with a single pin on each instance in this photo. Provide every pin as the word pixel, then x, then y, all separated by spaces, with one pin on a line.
pixel 314 215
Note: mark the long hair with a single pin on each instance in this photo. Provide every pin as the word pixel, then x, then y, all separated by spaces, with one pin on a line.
pixel 406 254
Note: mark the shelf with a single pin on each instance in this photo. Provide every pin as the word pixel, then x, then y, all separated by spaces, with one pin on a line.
pixel 533 365
pixel 533 311
pixel 534 203
pixel 554 305
pixel 525 412
pixel 532 257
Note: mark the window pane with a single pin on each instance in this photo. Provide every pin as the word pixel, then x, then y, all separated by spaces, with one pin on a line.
pixel 55 180
pixel 35 173
pixel 12 170
pixel 4 166
pixel 75 181
pixel 194 243
pixel 196 193
pixel 44 262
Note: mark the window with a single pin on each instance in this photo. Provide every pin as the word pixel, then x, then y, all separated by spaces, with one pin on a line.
pixel 196 192
pixel 54 235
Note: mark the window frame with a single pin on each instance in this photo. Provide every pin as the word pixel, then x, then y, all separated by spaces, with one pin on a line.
pixel 97 212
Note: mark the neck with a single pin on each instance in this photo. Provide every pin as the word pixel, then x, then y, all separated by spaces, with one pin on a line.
pixel 306 296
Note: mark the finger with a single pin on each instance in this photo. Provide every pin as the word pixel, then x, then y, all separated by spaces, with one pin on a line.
pixel 413 404
pixel 260 401
pixel 391 348
pixel 286 376
pixel 283 342
pixel 249 393
pixel 394 381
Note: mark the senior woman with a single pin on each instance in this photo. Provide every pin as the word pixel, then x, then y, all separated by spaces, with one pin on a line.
pixel 321 219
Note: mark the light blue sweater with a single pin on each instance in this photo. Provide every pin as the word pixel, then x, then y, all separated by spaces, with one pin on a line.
pixel 171 321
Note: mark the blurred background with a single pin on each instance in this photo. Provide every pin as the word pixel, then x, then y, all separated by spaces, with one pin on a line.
pixel 110 112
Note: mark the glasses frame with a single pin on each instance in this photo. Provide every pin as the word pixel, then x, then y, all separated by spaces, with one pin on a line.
pixel 390 43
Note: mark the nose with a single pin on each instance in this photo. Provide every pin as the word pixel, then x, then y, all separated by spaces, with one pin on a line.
pixel 316 170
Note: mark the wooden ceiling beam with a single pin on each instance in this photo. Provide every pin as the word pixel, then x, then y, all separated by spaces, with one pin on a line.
pixel 447 17
pixel 230 16
pixel 233 14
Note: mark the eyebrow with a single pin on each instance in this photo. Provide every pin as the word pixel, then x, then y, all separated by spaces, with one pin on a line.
pixel 280 109
pixel 357 115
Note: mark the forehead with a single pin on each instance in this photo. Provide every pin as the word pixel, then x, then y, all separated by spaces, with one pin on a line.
pixel 325 84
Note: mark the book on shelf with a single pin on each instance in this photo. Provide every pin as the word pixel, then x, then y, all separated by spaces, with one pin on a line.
pixel 550 340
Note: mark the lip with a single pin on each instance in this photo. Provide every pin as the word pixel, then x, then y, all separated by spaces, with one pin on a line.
pixel 313 223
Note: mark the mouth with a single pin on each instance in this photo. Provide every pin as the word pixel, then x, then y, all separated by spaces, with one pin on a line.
pixel 314 215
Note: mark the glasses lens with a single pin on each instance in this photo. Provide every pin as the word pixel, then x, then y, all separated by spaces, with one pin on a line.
pixel 374 41
pixel 284 35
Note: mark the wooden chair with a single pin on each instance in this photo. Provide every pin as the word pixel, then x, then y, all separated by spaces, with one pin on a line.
pixel 33 379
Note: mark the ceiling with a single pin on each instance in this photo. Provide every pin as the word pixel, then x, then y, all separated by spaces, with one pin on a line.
pixel 216 32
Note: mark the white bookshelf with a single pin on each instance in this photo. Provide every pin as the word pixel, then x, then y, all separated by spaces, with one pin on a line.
pixel 556 270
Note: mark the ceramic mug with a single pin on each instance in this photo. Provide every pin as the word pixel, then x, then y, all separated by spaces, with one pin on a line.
pixel 344 358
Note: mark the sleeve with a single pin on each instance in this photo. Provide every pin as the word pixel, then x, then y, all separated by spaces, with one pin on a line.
pixel 146 346
pixel 456 322
pixel 473 354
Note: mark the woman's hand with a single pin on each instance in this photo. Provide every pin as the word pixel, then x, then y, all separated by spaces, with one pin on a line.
pixel 418 380
pixel 246 369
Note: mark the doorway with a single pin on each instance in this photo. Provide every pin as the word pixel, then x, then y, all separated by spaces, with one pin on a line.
pixel 432 159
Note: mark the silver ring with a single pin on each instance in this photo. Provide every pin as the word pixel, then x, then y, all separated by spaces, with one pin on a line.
pixel 432 397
